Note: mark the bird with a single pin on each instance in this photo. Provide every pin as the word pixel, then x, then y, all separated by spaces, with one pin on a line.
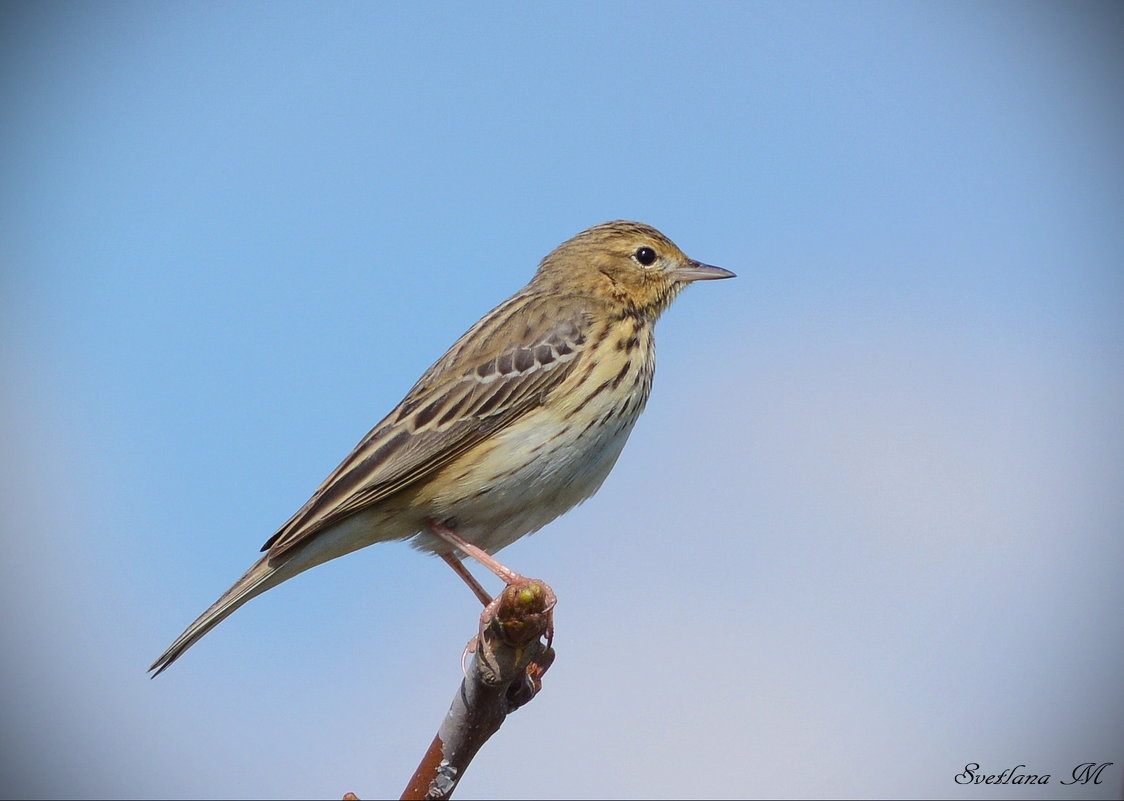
pixel 521 420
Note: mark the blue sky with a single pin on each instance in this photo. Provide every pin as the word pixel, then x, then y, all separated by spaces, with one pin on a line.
pixel 868 530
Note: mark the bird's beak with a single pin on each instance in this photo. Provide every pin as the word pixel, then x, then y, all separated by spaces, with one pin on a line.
pixel 697 271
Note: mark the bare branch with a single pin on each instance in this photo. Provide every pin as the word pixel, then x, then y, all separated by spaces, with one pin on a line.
pixel 508 662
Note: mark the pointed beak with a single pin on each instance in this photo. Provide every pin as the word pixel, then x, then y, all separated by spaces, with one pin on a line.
pixel 697 271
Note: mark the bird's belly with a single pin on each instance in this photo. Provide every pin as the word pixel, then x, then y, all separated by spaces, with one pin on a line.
pixel 529 474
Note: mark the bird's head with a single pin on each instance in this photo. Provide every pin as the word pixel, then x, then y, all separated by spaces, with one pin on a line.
pixel 629 263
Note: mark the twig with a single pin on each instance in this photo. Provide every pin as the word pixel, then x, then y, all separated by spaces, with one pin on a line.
pixel 505 672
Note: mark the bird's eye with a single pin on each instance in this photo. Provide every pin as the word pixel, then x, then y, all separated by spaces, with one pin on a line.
pixel 646 256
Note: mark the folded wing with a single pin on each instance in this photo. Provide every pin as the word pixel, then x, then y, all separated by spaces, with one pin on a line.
pixel 498 371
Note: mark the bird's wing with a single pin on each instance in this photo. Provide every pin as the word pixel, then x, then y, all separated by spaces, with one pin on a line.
pixel 500 369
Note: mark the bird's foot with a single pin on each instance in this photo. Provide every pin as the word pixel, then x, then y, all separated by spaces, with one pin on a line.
pixel 521 615
pixel 524 611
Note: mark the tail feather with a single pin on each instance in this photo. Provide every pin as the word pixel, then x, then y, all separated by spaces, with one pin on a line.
pixel 349 535
pixel 256 580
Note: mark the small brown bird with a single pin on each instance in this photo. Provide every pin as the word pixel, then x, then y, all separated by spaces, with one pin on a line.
pixel 521 420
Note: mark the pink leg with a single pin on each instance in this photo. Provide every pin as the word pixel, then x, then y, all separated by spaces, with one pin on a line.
pixel 508 575
pixel 468 578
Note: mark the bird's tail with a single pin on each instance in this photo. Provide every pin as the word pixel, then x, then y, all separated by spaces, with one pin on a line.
pixel 256 580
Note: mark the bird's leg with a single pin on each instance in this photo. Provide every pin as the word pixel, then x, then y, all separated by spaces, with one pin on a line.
pixel 508 575
pixel 468 578
pixel 522 601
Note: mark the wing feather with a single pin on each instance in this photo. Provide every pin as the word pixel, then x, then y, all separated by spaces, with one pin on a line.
pixel 499 370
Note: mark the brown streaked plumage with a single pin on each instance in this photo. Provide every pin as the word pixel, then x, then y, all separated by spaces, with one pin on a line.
pixel 521 420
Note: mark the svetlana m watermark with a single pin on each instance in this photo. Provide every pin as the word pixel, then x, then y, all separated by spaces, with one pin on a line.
pixel 1085 773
